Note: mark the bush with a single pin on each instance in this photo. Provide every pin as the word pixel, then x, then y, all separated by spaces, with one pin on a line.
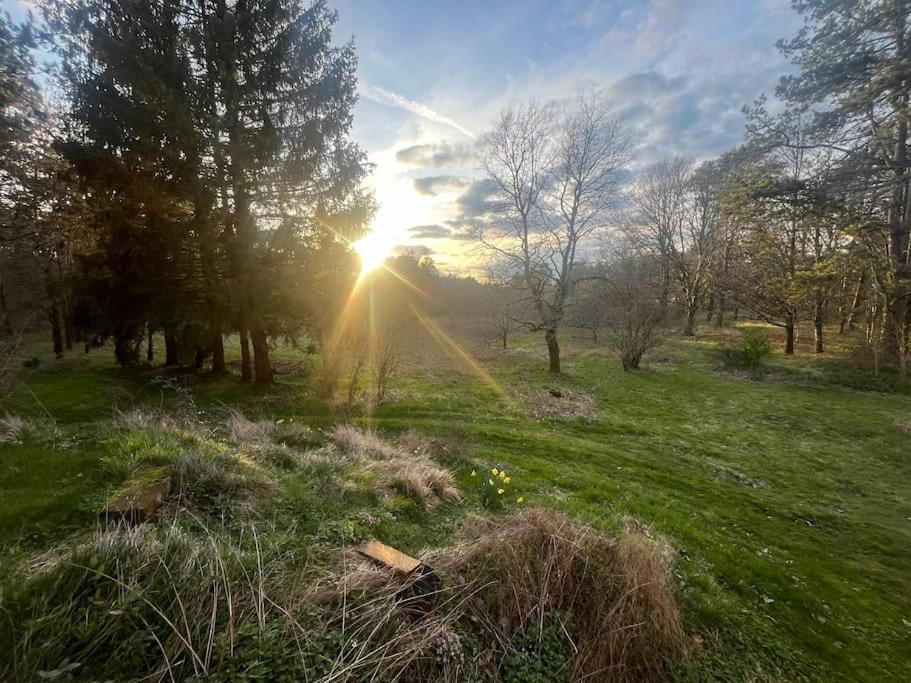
pixel 753 350
pixel 616 591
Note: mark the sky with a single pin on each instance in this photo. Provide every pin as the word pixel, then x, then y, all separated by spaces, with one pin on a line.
pixel 433 74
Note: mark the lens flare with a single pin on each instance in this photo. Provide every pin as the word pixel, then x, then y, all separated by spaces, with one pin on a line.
pixel 373 249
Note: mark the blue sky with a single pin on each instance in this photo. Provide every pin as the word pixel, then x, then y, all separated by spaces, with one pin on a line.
pixel 434 74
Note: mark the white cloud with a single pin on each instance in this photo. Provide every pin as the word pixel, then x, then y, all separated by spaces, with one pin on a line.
pixel 378 94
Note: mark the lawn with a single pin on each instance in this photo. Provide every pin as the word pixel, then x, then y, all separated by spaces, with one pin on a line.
pixel 786 495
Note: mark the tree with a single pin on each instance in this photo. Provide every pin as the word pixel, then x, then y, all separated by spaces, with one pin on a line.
pixel 677 217
pixel 853 74
pixel 213 139
pixel 631 290
pixel 557 176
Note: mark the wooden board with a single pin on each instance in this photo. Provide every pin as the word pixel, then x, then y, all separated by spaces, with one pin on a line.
pixel 388 556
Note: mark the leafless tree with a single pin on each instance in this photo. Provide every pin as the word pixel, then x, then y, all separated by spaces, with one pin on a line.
pixel 504 311
pixel 677 216
pixel 557 172
pixel 631 289
pixel 387 357
pixel 358 352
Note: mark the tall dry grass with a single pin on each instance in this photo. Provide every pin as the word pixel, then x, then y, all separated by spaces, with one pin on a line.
pixel 413 474
pixel 616 590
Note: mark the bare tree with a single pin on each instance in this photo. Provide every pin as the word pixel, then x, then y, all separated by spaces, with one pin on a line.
pixel 503 311
pixel 387 356
pixel 557 174
pixel 631 288
pixel 677 217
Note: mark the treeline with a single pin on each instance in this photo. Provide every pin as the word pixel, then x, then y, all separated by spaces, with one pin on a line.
pixel 187 173
pixel 808 220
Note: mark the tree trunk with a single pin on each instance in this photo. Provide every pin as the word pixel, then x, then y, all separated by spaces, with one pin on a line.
pixel 246 371
pixel 504 340
pixel 711 309
pixel 68 331
pixel 171 348
pixel 150 347
pixel 218 353
pixel 4 311
pixel 819 311
pixel 126 351
pixel 262 369
pixel 689 323
pixel 553 350
pixel 851 321
pixel 719 319
pixel 789 339
pixel 53 315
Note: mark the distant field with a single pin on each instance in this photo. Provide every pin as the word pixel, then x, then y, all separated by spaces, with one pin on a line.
pixel 785 496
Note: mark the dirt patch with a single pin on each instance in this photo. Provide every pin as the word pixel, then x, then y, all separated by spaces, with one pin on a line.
pixel 561 404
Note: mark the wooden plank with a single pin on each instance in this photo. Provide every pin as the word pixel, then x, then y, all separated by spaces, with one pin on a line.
pixel 388 556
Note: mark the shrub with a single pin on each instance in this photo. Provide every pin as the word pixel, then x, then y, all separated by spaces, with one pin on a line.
pixel 616 591
pixel 754 348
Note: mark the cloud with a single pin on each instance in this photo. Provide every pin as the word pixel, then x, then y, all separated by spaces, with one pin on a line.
pixel 478 200
pixel 430 232
pixel 383 96
pixel 411 249
pixel 439 184
pixel 438 155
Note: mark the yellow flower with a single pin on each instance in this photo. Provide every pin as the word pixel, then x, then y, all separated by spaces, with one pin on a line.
pixel 519 499
pixel 502 474
pixel 490 481
pixel 473 473
pixel 280 421
pixel 500 491
pixel 506 480
pixel 494 471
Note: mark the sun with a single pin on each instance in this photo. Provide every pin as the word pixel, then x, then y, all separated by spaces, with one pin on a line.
pixel 373 248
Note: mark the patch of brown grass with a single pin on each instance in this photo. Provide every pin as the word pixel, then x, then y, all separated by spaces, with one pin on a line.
pixel 413 474
pixel 450 446
pixel 571 405
pixel 616 590
pixel 904 425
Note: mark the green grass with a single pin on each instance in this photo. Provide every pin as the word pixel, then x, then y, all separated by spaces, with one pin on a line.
pixel 787 497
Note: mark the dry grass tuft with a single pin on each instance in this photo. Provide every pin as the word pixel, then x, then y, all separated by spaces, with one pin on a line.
pixel 13 428
pixel 388 632
pixel 617 591
pixel 243 430
pixel 359 444
pixel 904 425
pixel 412 474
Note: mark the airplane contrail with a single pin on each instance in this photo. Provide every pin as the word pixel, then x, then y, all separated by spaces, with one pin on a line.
pixel 378 94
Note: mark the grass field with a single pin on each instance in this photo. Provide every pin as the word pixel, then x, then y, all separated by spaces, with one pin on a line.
pixel 786 496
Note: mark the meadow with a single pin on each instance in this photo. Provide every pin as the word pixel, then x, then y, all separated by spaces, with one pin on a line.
pixel 783 494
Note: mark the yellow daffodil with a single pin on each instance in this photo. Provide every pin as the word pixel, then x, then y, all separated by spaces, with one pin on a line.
pixel 502 474
pixel 490 482
pixel 506 480
pixel 473 473
pixel 280 421
pixel 519 499
pixel 500 491
pixel 494 471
